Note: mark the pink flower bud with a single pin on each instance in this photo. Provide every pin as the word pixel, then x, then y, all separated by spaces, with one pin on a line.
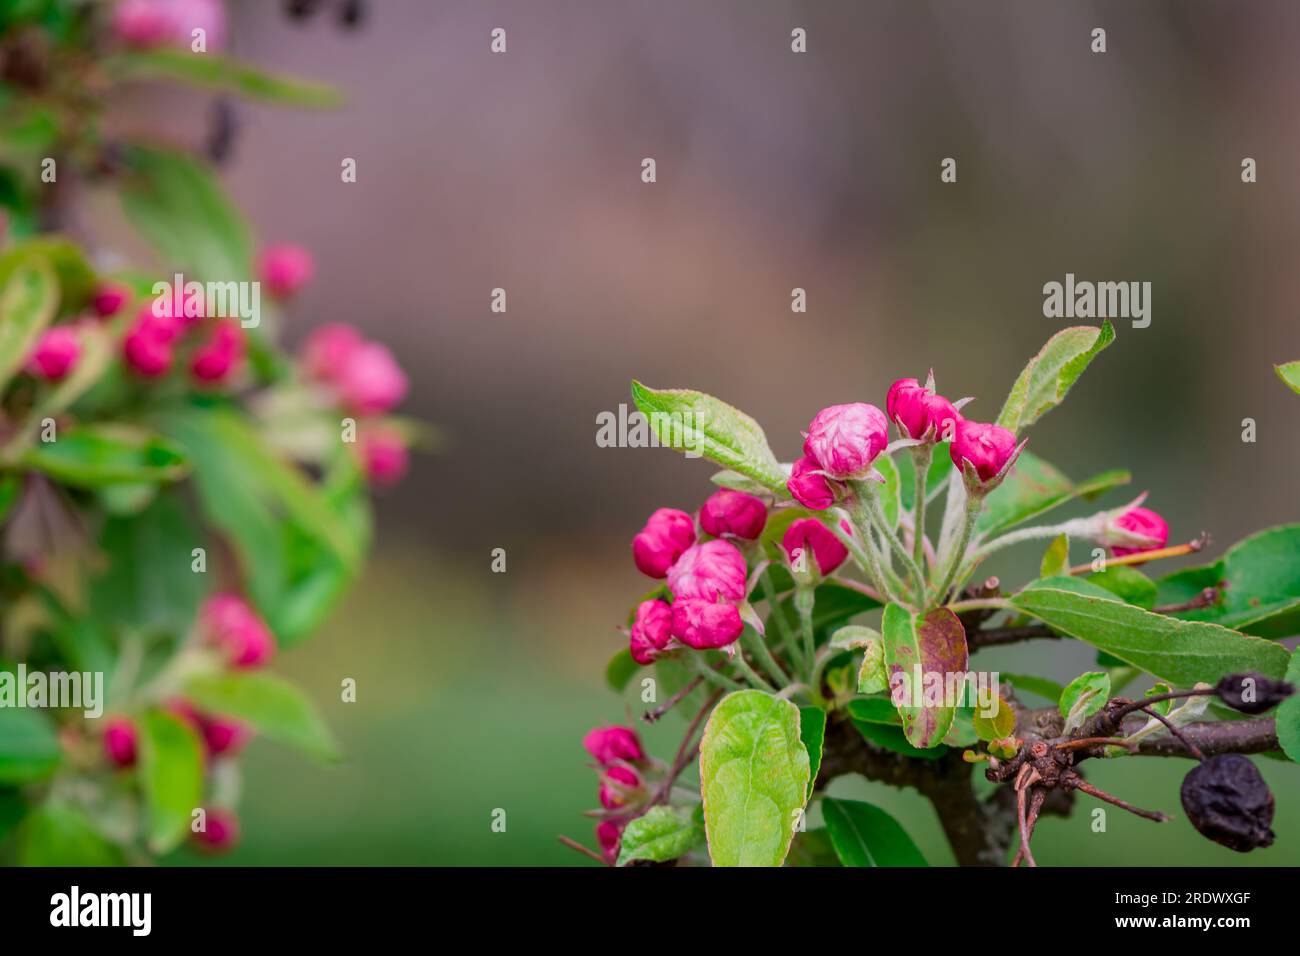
pixel 651 630
pixel 109 299
pixel 1145 522
pixel 987 447
pixel 182 708
pixel 845 439
pixel 610 744
pixel 709 571
pixel 328 349
pixel 220 832
pixel 703 624
pixel 225 737
pixel 371 382
pixel 729 512
pixel 919 411
pixel 666 534
pixel 141 23
pixel 120 742
pixel 383 454
pixel 55 354
pixel 618 787
pixel 216 359
pixel 148 23
pixel 148 346
pixel 809 486
pixel 231 624
pixel 609 834
pixel 286 268
pixel 808 535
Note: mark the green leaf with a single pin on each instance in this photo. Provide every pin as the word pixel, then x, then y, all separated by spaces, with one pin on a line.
pixel 891 738
pixel 273 706
pixel 1260 576
pixel 1056 559
pixel 1035 487
pixel 171 777
pixel 29 744
pixel 754 773
pixel 701 424
pixel 1050 374
pixel 180 207
pixel 29 299
pixel 92 456
pixel 215 72
pixel 873 675
pixel 1002 723
pixel 74 276
pixel 933 646
pixel 812 731
pixel 1181 652
pixel 1128 584
pixel 738 482
pixel 659 835
pixel 1083 697
pixel 620 670
pixel 10 487
pixel 1161 706
pixel 1287 716
pixel 59 834
pixel 865 835
pixel 1289 373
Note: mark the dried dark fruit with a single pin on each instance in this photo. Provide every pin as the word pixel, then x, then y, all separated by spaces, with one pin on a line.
pixel 1228 802
pixel 1251 692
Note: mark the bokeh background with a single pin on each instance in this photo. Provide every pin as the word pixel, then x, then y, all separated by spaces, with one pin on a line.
pixel 775 170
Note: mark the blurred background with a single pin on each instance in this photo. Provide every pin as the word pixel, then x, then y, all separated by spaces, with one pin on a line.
pixel 775 170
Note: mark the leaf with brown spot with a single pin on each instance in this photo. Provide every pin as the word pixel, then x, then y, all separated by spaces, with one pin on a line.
pixel 931 645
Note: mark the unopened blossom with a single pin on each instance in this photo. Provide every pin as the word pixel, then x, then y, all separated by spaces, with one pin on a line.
pixel 609 834
pixel 225 736
pixel 987 447
pixel 609 745
pixel 328 349
pixel 728 512
pixel 704 624
pixel 286 268
pixel 384 454
pixel 109 299
pixel 1147 524
pixel 370 381
pixel 808 536
pixel 708 571
pixel 232 624
pixel 919 411
pixel 845 439
pixel 120 741
pixel 651 630
pixel 619 786
pixel 808 485
pixel 220 831
pixel 221 355
pixel 149 345
pixel 667 533
pixel 55 354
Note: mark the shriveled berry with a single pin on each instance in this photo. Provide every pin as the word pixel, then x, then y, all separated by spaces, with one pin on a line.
pixel 1228 802
pixel 1251 692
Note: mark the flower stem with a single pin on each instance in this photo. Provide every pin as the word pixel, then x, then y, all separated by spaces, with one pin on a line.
pixel 803 604
pixel 974 503
pixel 921 456
pixel 754 677
pixel 711 676
pixel 877 515
pixel 775 611
pixel 766 660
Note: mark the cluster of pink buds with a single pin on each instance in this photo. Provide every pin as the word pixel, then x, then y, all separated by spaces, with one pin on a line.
pixel 234 627
pixel 55 354
pixel 707 579
pixel 363 377
pixel 620 761
pixel 216 346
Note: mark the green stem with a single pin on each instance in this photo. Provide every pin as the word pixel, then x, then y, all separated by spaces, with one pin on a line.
pixel 878 515
pixel 775 612
pixel 973 505
pixel 701 667
pixel 754 677
pixel 868 556
pixel 803 604
pixel 921 456
pixel 766 660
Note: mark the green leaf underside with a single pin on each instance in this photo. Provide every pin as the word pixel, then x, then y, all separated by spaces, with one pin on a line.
pixel 1048 376
pixel 890 502
pixel 865 835
pixel 754 773
pixel 1260 578
pixel 171 777
pixel 94 456
pixel 1181 652
pixel 1035 487
pixel 29 300
pixel 274 707
pixel 693 421
pixel 659 835
pixel 936 644
pixel 29 746
pixel 1083 697
pixel 620 670
pixel 1056 559
pixel 812 731
pixel 59 834
pixel 1042 686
